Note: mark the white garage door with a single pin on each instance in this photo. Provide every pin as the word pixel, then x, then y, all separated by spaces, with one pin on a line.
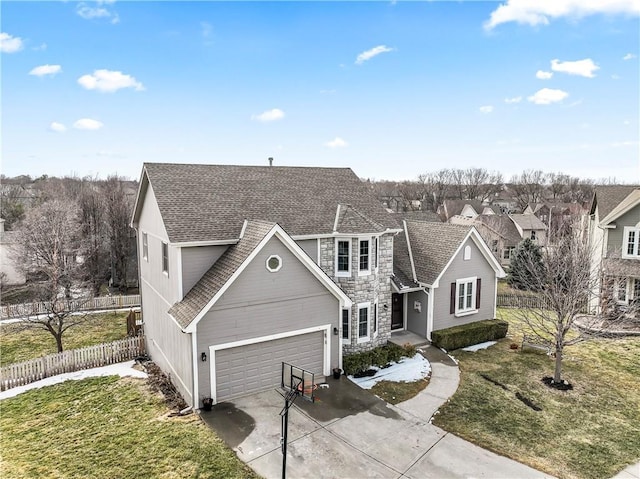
pixel 257 367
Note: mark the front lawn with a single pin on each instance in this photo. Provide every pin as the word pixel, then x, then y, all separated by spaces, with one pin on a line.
pixel 592 431
pixel 107 427
pixel 18 344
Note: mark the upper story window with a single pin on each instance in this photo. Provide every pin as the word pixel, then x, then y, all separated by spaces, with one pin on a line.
pixel 343 257
pixel 631 239
pixel 145 246
pixel 274 263
pixel 363 256
pixel 165 257
pixel 533 235
pixel 467 253
pixel 376 252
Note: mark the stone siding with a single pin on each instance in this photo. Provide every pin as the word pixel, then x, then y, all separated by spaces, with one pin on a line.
pixel 364 289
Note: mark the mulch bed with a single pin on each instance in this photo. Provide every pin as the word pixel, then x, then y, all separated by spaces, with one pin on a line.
pixel 560 386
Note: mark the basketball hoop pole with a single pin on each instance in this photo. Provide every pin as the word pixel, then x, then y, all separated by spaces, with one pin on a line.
pixel 289 399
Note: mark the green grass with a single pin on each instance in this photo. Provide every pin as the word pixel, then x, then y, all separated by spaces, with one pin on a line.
pixel 107 428
pixel 592 431
pixel 18 345
pixel 397 392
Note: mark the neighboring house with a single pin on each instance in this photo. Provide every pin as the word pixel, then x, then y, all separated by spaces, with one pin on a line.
pixel 559 217
pixel 11 273
pixel 444 276
pixel 614 232
pixel 243 267
pixel 529 226
pixel 465 208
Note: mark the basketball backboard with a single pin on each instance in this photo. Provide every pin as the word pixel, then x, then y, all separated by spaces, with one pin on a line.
pixel 298 381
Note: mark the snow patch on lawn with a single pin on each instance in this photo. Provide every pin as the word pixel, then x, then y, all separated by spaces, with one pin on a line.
pixel 407 370
pixel 479 346
pixel 120 369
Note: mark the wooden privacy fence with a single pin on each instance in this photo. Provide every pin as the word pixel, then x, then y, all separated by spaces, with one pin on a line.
pixel 100 302
pixel 19 374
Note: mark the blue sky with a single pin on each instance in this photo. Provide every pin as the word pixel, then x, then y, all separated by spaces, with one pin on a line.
pixel 390 89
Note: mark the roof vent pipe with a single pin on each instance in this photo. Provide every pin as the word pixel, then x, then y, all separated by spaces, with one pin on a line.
pixel 270 161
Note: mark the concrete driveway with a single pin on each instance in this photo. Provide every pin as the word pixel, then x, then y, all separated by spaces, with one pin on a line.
pixel 350 433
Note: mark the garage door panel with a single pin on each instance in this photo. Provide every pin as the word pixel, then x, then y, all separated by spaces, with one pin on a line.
pixel 256 367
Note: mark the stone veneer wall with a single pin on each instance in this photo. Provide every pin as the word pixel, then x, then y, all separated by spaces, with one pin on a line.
pixel 362 289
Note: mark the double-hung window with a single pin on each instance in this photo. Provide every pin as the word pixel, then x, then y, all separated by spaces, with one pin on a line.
pixel 363 322
pixel 630 248
pixel 343 257
pixel 145 246
pixel 364 257
pixel 464 296
pixel 375 319
pixel 165 258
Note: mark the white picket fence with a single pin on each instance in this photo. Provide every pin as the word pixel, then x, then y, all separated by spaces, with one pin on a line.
pixel 100 302
pixel 69 361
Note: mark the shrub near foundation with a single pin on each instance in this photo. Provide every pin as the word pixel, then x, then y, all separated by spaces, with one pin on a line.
pixel 468 334
pixel 380 357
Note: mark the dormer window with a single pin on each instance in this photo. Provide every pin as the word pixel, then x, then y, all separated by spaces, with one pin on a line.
pixel 630 247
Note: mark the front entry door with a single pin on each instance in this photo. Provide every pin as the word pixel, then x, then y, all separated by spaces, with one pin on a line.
pixel 397 311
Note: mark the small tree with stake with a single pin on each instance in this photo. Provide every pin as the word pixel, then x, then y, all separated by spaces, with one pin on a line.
pixel 564 283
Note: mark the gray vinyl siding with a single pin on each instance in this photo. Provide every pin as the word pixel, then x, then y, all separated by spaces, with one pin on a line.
pixel 167 345
pixel 616 235
pixel 196 261
pixel 310 247
pixel 260 303
pixel 458 269
pixel 150 222
pixel 417 321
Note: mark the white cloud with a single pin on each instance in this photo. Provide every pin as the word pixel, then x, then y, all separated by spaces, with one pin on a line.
pixel 628 56
pixel 206 29
pixel 88 124
pixel 542 75
pixel 109 81
pixel 269 115
pixel 486 109
pixel 43 70
pixel 40 48
pixel 583 68
pixel 515 99
pixel 10 44
pixel 337 142
pixel 615 77
pixel 619 144
pixel 369 54
pixel 546 96
pixel 57 127
pixel 540 12
pixel 99 10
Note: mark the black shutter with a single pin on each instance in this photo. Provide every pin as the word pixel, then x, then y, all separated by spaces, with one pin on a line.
pixel 478 287
pixel 452 304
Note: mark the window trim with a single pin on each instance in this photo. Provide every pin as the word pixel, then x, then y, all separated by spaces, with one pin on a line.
pixel 367 307
pixel 145 246
pixel 636 242
pixel 473 281
pixel 343 274
pixel 376 315
pixel 367 271
pixel 347 339
pixel 277 268
pixel 466 256
pixel 165 258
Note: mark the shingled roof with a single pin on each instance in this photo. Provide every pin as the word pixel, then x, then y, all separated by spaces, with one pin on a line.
pixel 528 222
pixel 210 202
pixel 216 277
pixel 608 197
pixel 432 245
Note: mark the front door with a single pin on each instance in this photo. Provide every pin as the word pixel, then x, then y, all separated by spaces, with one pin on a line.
pixel 397 311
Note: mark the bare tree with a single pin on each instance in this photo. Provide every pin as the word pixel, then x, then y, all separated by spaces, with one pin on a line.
pixel 528 187
pixel 11 207
pixel 48 248
pixel 564 283
pixel 93 230
pixel 118 215
pixel 435 187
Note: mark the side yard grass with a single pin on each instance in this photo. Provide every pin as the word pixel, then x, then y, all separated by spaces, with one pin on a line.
pixel 592 431
pixel 107 427
pixel 18 344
